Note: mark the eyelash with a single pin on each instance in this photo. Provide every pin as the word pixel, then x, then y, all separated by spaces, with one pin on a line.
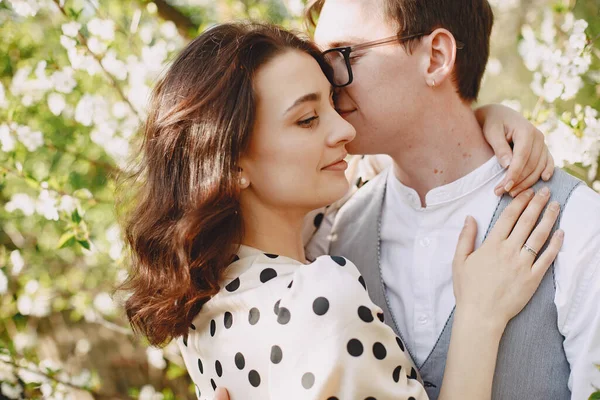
pixel 307 123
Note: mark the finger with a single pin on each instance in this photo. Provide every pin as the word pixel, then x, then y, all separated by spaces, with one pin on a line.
pixel 549 170
pixel 509 216
pixel 530 216
pixel 496 137
pixel 548 256
pixel 542 230
pixel 221 394
pixel 466 240
pixel 533 163
pixel 530 180
pixel 523 149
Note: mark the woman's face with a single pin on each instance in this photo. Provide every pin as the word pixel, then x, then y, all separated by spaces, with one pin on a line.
pixel 295 157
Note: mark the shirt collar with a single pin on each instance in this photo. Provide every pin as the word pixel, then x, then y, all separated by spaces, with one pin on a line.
pixel 450 192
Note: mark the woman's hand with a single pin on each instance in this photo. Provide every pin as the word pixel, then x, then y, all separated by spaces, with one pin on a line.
pixel 530 159
pixel 495 282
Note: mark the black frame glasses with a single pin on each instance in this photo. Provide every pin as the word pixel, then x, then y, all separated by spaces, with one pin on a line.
pixel 346 50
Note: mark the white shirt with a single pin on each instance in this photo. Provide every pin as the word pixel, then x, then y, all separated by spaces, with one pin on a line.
pixel 279 329
pixel 417 249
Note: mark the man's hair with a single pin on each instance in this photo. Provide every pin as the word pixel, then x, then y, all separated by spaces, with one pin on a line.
pixel 470 21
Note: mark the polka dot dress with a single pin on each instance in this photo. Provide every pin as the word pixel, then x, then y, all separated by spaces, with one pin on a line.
pixel 279 329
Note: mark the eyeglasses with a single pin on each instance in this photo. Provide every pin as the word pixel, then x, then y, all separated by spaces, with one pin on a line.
pixel 339 57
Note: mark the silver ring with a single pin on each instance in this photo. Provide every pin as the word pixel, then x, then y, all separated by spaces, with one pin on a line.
pixel 529 249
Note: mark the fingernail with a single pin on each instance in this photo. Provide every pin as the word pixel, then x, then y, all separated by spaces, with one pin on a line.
pixel 560 234
pixel 513 193
pixel 554 206
pixel 467 220
pixel 505 161
pixel 498 191
pixel 545 191
pixel 529 193
pixel 509 186
pixel 546 176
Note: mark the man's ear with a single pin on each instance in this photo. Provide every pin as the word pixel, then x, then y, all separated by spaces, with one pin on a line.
pixel 440 56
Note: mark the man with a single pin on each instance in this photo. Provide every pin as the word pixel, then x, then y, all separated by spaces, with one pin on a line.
pixel 417 110
pixel 410 99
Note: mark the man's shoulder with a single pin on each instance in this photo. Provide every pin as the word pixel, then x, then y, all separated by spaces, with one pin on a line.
pixel 368 194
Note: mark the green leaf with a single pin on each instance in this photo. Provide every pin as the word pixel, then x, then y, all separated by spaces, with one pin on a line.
pixel 75 217
pixel 595 396
pixel 66 240
pixel 84 243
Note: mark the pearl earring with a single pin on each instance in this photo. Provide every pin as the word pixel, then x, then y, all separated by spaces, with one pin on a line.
pixel 243 181
pixel 433 83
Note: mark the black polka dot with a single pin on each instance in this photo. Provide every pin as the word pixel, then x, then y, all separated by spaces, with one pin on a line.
pixel 318 220
pixel 400 344
pixel 270 255
pixel 213 384
pixel 380 316
pixel 379 351
pixel 283 317
pixel 240 361
pixel 253 316
pixel 365 314
pixel 200 367
pixel 370 398
pixel 267 274
pixel 185 339
pixel 218 368
pixel 332 398
pixel 193 326
pixel 254 378
pixel 411 398
pixel 320 305
pixel 341 261
pixel 355 347
pixel 276 354
pixel 290 285
pixel 396 373
pixel 233 285
pixel 198 394
pixel 308 380
pixel 213 327
pixel 413 374
pixel 362 282
pixel 228 320
pixel 236 258
pixel 276 307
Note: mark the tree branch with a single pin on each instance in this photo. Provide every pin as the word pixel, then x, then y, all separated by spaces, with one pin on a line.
pixel 170 13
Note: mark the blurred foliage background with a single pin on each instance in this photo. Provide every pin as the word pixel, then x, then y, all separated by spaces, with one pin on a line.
pixel 74 80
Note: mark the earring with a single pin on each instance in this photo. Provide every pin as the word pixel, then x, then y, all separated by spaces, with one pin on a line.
pixel 433 83
pixel 243 181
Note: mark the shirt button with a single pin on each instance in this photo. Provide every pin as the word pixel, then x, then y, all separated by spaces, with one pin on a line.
pixel 425 242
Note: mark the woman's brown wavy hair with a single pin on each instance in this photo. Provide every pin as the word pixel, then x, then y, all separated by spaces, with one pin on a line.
pixel 179 205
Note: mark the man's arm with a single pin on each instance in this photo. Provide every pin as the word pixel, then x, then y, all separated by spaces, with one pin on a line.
pixel 577 296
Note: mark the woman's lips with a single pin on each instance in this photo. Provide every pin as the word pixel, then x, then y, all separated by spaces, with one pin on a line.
pixel 338 166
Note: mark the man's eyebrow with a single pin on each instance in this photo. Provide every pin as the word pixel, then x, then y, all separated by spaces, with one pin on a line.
pixel 347 42
pixel 303 99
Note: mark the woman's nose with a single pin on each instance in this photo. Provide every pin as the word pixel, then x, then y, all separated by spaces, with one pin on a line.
pixel 341 131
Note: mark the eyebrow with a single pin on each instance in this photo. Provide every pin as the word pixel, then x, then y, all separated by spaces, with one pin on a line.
pixel 348 42
pixel 307 98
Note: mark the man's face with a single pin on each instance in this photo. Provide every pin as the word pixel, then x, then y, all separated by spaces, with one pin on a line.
pixel 383 97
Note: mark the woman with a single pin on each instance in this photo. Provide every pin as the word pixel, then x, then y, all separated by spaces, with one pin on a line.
pixel 241 142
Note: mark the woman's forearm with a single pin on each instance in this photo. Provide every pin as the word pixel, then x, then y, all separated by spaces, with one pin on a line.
pixel 471 358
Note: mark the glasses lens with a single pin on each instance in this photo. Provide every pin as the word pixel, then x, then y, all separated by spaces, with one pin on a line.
pixel 341 75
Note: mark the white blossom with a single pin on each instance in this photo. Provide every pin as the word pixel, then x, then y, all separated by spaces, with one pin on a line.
pixel 104 303
pixel 24 340
pixel 46 205
pixel 56 103
pixel 17 261
pixel 21 201
pixel 7 141
pixel 149 393
pixel 64 80
pixel 71 28
pixel 68 204
pixel 155 357
pixel 25 8
pixel 3 101
pixel 11 391
pixel 32 140
pixel 169 30
pixel 96 46
pixel 3 283
pixel 103 28
pixel 113 66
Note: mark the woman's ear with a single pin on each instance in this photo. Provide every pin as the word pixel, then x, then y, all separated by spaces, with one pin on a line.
pixel 440 47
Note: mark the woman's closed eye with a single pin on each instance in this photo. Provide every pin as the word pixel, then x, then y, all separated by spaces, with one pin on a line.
pixel 308 122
